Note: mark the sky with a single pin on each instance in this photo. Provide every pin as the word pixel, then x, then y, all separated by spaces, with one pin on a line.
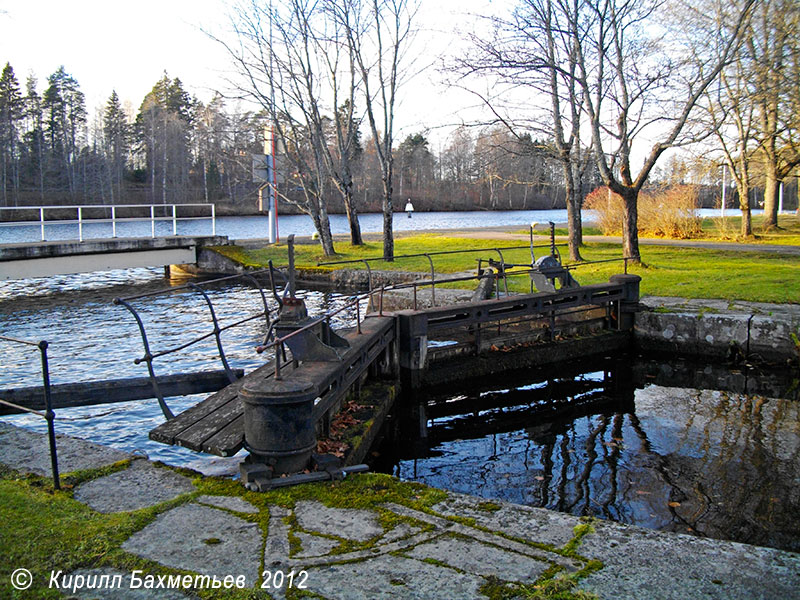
pixel 109 45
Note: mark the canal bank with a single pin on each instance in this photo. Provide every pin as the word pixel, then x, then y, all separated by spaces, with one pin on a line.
pixel 370 536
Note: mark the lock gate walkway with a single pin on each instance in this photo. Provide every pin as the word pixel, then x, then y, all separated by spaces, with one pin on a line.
pixel 216 425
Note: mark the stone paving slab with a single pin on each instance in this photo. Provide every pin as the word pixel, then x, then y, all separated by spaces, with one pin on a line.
pixel 314 545
pixel 233 503
pixel 139 486
pixel 640 563
pixel 121 592
pixel 358 525
pixel 474 557
pixel 445 559
pixel 392 577
pixel 524 522
pixel 29 452
pixel 201 539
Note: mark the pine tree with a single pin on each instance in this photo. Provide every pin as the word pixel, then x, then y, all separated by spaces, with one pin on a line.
pixel 117 138
pixel 11 114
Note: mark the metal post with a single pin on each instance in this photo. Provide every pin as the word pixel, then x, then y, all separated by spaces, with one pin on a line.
pixel 174 221
pixel 503 269
pixel 147 358
pixel 722 214
pixel 113 221
pixel 433 281
pixel 358 316
pixel 369 275
pixel 213 220
pixel 231 375
pixel 278 348
pixel 292 284
pixel 152 221
pixel 49 415
pixel 80 223
pixel 41 220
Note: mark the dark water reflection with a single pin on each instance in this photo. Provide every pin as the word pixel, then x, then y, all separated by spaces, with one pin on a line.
pixel 622 442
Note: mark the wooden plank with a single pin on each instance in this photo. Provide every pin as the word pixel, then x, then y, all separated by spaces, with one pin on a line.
pixel 195 435
pixel 227 441
pixel 108 391
pixel 168 431
pixel 216 425
pixel 173 431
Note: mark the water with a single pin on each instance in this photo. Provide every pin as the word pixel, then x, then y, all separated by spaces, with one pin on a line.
pixel 619 443
pixel 92 339
pixel 254 227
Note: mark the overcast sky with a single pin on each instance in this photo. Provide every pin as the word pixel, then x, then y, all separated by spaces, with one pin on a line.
pixel 110 45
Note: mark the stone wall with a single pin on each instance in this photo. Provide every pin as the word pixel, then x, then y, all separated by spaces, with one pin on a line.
pixel 719 328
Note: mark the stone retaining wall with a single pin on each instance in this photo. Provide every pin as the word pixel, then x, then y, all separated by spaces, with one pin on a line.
pixel 719 328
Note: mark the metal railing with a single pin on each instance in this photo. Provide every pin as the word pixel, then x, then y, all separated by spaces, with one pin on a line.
pixel 49 415
pixel 279 343
pixel 429 255
pixel 415 285
pixel 216 331
pixel 503 273
pixel 114 214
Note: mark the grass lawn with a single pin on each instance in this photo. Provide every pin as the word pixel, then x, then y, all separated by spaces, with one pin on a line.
pixel 667 271
pixel 728 228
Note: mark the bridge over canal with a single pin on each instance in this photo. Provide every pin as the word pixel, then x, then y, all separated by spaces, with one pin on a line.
pixel 56 240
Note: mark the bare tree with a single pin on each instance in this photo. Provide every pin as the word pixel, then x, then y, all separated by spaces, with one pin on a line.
pixel 772 50
pixel 637 86
pixel 378 33
pixel 536 50
pixel 731 117
pixel 276 55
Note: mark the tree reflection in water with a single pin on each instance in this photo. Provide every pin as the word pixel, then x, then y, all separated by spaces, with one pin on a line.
pixel 634 441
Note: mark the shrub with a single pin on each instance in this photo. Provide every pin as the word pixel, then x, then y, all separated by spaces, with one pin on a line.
pixel 608 208
pixel 669 213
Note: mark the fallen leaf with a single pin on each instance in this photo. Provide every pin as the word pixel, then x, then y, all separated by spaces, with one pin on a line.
pixel 674 504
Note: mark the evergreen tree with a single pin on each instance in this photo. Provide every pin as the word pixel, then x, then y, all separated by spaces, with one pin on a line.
pixel 163 126
pixel 117 138
pixel 64 108
pixel 33 143
pixel 11 113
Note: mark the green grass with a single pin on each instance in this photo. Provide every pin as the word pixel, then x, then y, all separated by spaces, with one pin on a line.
pixel 666 271
pixel 729 228
pixel 701 273
pixel 718 229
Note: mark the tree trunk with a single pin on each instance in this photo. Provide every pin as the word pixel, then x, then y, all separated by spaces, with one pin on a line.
pixel 388 215
pixel 744 206
pixel 322 224
pixel 352 217
pixel 630 225
pixel 770 197
pixel 573 201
